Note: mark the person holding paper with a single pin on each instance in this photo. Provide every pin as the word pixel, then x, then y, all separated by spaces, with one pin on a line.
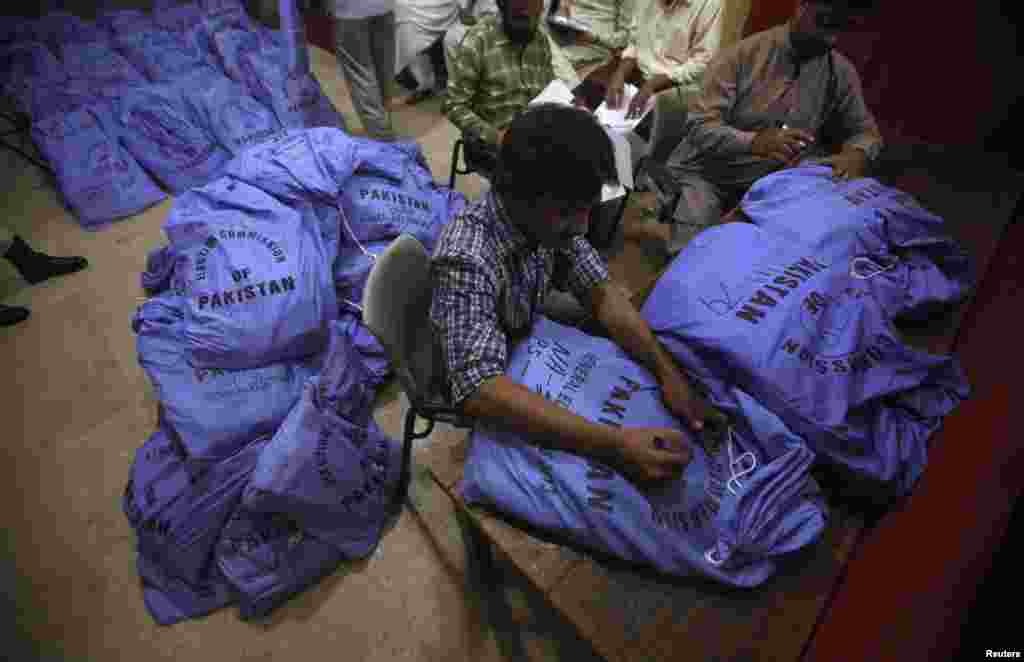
pixel 670 45
pixel 607 22
pixel 502 64
pixel 494 268
pixel 773 99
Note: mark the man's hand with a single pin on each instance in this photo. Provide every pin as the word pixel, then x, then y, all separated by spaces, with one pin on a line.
pixel 647 455
pixel 849 164
pixel 683 401
pixel 501 135
pixel 639 102
pixel 781 144
pixel 616 90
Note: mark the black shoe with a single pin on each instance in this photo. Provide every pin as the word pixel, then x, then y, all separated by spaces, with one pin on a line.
pixel 10 315
pixel 36 267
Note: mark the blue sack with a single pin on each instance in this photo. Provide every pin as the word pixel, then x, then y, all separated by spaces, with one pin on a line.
pixel 170 600
pixel 156 277
pixel 874 223
pixel 162 55
pixel 297 99
pixel 329 467
pixel 178 17
pixel 733 511
pixel 125 21
pixel 178 508
pixel 99 179
pixel 231 44
pixel 26 65
pixel 213 412
pixel 62 98
pixel 268 559
pixel 226 111
pixel 809 335
pixel 158 130
pixel 254 276
pixel 98 62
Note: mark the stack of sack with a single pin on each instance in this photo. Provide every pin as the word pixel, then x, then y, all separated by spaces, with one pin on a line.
pixel 136 101
pixel 800 309
pixel 267 469
pixel 788 325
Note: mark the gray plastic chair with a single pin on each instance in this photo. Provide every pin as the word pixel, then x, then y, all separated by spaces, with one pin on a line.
pixel 396 309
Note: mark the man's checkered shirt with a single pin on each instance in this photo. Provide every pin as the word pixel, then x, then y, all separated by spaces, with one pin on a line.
pixel 489 281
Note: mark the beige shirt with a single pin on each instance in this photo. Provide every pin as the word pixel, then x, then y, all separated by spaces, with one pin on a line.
pixel 608 20
pixel 758 84
pixel 677 41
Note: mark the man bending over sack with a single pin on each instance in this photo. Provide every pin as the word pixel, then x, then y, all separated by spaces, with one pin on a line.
pixel 494 267
pixel 770 101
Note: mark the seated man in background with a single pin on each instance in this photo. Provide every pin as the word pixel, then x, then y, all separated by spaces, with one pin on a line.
pixel 502 64
pixel 768 102
pixel 470 13
pixel 670 45
pixel 608 23
pixel 493 272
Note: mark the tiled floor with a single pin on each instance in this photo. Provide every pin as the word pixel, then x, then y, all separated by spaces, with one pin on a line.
pixel 76 405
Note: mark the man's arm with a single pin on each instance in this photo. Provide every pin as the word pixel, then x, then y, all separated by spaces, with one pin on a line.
pixel 465 78
pixel 474 349
pixel 706 31
pixel 629 330
pixel 710 131
pixel 863 139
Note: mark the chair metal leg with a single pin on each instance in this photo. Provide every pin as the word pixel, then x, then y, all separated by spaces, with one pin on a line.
pixel 456 152
pixel 405 474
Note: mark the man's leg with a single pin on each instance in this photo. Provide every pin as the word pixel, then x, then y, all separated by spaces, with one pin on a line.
pixel 699 206
pixel 355 52
pixel 669 123
pixel 383 35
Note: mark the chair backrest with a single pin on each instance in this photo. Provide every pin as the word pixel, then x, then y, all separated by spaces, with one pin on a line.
pixel 396 310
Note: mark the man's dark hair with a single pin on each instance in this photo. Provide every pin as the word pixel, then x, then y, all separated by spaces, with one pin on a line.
pixel 555 152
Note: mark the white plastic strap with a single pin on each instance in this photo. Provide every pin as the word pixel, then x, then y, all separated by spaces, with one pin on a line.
pixel 746 463
pixel 865 267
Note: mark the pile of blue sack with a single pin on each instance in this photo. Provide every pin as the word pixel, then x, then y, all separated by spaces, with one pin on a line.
pixel 267 469
pixel 135 101
pixel 787 324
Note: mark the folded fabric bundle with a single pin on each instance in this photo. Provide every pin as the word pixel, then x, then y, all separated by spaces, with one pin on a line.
pixel 269 558
pixel 809 334
pixel 171 600
pixel 100 180
pixel 178 508
pixel 744 499
pixel 213 412
pixel 254 276
pixel 157 128
pixel 162 55
pixel 328 467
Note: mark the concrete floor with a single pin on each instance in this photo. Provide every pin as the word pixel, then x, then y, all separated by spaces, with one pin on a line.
pixel 76 406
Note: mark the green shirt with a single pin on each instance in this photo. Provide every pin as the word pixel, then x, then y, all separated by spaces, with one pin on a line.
pixel 491 80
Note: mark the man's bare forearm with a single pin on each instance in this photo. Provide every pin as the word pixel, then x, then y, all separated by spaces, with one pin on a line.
pixel 629 330
pixel 548 425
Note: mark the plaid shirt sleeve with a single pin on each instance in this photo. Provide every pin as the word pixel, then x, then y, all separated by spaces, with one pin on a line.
pixel 587 269
pixel 465 319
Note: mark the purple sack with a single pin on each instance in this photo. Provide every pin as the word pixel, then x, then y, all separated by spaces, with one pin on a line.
pixel 297 99
pixel 178 508
pixel 170 600
pixel 125 21
pixel 269 558
pixel 99 179
pixel 227 112
pixel 158 130
pixel 26 65
pixel 254 276
pixel 809 334
pixel 329 467
pixel 62 98
pixel 163 56
pixel 98 62
pixel 231 44
pixel 744 499
pixel 213 412
pixel 178 17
